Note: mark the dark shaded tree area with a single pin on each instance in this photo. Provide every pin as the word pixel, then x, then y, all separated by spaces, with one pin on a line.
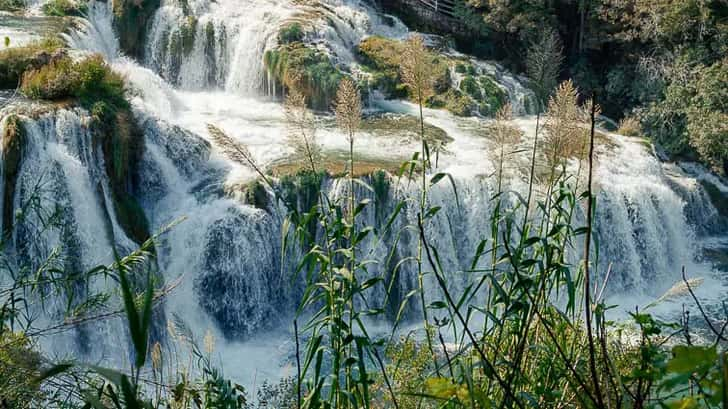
pixel 662 62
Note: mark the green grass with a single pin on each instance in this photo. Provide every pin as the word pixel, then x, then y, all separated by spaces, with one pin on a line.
pixel 91 81
pixel 63 8
pixel 12 5
pixel 290 33
pixel 17 60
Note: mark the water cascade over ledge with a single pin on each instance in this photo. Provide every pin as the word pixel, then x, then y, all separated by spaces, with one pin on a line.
pixel 202 64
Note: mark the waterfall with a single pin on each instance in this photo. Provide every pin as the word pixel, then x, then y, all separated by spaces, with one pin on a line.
pixel 217 44
pixel 203 64
pixel 62 203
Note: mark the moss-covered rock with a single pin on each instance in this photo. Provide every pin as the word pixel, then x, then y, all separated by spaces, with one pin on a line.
pixel 492 96
pixel 91 84
pixel 12 5
pixel 187 32
pixel 382 59
pixel 17 60
pixel 290 33
pixel 334 164
pixel 63 8
pixel 13 142
pixel 380 183
pixel 257 196
pixel 470 86
pixel 717 197
pixel 390 125
pixel 90 81
pixel 131 19
pixel 301 190
pixel 122 142
pixel 454 101
pixel 464 68
pixel 319 78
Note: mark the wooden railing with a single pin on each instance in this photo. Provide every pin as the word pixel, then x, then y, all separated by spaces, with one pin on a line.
pixel 445 7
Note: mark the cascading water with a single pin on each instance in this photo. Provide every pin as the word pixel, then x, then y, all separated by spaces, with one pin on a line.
pixel 227 254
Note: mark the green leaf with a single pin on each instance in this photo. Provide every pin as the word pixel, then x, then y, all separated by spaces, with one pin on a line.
pixel 685 403
pixel 110 374
pixel 689 359
pixel 92 400
pixel 132 315
pixel 146 322
pixel 432 211
pixel 53 371
pixel 129 393
pixel 436 305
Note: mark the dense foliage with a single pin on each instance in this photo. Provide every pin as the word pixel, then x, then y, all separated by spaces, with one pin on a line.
pixel 12 5
pixel 300 66
pixel 15 61
pixel 62 8
pixel 471 91
pixel 662 61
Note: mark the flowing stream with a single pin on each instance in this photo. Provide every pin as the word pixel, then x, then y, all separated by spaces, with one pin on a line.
pixel 653 218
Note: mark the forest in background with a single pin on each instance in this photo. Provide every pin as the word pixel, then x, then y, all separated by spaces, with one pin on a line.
pixel 660 66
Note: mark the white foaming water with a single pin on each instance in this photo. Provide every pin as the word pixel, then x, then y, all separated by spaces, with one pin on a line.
pixel 228 254
pixel 65 174
pixel 215 44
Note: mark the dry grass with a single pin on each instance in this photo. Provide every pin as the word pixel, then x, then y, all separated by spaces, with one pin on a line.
pixel 629 126
pixel 336 166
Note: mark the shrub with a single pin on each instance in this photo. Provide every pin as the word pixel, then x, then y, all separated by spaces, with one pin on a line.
pixel 12 5
pixel 708 134
pixel 290 33
pixel 470 86
pixel 62 8
pixel 90 80
pixel 383 58
pixel 465 68
pixel 493 97
pixel 315 76
pixel 629 126
pixel 19 365
pixel 454 101
pixel 97 82
pixel 55 80
pixel 689 121
pixel 15 61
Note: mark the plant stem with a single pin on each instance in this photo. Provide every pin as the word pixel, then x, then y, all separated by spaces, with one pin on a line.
pixel 587 284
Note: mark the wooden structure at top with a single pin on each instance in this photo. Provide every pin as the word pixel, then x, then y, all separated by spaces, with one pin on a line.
pixel 443 7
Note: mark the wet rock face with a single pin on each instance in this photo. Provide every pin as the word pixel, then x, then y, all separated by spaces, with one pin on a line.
pixel 13 138
pixel 187 151
pixel 240 284
pixel 131 20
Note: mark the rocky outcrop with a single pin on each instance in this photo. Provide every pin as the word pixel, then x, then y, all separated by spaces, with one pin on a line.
pixel 13 140
pixel 316 76
pixel 131 20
